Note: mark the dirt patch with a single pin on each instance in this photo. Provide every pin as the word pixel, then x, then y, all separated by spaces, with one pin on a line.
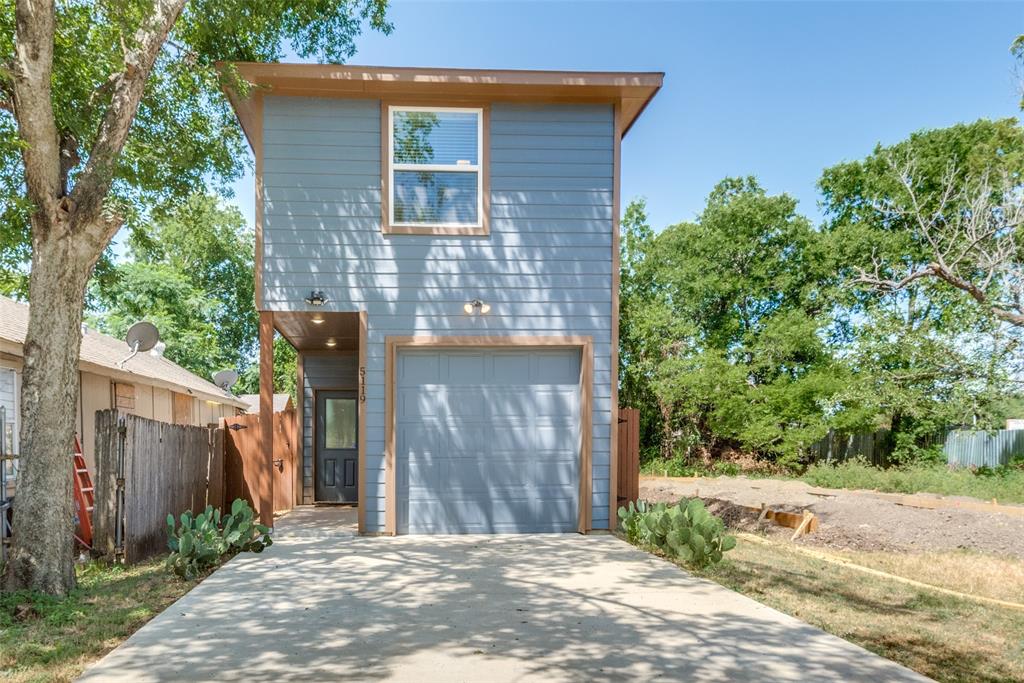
pixel 848 520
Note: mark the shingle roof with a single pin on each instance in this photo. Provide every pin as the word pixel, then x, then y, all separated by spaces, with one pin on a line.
pixel 107 352
pixel 280 402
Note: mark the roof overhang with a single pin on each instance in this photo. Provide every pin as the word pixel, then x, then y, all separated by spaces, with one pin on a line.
pixel 632 90
pixel 319 330
pixel 12 351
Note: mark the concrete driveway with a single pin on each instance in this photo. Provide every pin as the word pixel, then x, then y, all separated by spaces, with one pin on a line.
pixel 323 604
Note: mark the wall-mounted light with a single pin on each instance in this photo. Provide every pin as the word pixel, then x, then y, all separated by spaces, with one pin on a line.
pixel 316 298
pixel 476 307
pixel 318 319
pixel 331 343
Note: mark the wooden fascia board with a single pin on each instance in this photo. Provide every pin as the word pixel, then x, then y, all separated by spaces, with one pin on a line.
pixel 634 90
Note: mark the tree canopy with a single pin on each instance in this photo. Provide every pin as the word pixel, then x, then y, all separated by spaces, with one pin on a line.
pixel 751 329
pixel 191 274
pixel 184 138
pixel 109 113
pixel 727 317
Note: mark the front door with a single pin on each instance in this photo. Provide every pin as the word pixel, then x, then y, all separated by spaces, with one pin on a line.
pixel 337 452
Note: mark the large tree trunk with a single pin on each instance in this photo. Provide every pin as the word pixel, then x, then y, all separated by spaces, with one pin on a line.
pixel 70 229
pixel 42 556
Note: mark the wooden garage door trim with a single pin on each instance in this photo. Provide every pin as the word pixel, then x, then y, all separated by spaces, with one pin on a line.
pixel 393 344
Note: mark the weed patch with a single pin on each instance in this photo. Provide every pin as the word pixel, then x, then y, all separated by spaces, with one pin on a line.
pixel 43 638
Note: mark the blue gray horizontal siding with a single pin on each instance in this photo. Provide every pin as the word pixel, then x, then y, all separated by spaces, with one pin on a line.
pixel 546 267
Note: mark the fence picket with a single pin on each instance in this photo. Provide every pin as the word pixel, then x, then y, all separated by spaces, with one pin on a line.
pixel 168 469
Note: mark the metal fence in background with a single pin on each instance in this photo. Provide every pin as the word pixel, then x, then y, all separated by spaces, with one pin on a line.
pixel 962 447
pixel 983 449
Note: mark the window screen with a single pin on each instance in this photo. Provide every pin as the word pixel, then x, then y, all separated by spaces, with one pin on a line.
pixel 435 166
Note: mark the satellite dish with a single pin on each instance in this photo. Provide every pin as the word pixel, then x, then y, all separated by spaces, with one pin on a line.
pixel 225 379
pixel 142 336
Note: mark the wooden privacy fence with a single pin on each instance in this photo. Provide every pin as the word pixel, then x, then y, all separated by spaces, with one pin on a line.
pixel 167 469
pixel 875 447
pixel 243 460
pixel 629 455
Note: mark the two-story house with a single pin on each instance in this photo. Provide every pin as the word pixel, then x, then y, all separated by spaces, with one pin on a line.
pixel 441 247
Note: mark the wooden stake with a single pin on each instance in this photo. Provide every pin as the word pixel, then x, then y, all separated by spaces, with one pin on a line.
pixel 802 529
pixel 764 513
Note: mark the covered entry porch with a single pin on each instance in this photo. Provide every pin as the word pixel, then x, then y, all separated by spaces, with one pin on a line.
pixel 331 398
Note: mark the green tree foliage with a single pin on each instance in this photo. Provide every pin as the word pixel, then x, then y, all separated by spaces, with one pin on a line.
pixel 637 359
pixel 184 137
pixel 285 375
pixel 191 274
pixel 728 321
pixel 750 329
pixel 928 355
pixel 211 243
pixel 168 298
pixel 108 111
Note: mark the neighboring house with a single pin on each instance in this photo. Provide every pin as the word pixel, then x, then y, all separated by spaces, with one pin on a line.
pixel 148 384
pixel 441 247
pixel 281 402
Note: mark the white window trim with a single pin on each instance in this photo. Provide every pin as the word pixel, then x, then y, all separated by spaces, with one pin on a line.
pixel 12 465
pixel 460 168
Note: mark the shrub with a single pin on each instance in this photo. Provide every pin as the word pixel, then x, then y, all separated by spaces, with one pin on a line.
pixel 686 531
pixel 1005 483
pixel 202 541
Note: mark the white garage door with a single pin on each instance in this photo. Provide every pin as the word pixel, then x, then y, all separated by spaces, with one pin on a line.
pixel 488 441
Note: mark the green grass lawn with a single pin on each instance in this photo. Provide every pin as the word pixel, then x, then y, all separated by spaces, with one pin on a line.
pixel 943 637
pixel 49 639
pixel 1005 484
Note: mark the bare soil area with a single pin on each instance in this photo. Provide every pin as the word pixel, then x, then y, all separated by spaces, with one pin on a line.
pixel 850 520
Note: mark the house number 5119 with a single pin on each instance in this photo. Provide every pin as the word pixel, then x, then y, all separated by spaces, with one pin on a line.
pixel 362 384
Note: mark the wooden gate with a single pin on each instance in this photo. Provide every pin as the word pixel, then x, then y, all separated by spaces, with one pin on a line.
pixel 167 469
pixel 243 459
pixel 629 455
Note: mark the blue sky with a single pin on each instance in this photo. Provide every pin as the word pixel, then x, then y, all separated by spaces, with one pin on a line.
pixel 777 90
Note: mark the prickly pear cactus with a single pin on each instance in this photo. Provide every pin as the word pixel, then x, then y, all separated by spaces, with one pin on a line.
pixel 200 542
pixel 686 531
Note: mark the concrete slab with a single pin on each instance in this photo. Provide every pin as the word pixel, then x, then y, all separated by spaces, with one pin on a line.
pixel 324 604
pixel 318 521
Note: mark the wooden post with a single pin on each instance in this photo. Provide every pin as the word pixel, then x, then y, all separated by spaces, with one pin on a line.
pixel 300 407
pixel 266 478
pixel 105 482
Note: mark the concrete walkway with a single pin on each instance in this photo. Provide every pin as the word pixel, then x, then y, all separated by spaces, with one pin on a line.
pixel 324 604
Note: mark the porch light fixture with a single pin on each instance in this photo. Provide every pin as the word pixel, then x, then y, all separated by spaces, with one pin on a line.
pixel 316 298
pixel 476 307
pixel 331 343
pixel 318 319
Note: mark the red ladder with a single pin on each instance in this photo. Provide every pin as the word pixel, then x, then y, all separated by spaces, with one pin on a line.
pixel 84 498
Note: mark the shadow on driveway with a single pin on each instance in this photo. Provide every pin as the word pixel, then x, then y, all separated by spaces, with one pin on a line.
pixel 324 604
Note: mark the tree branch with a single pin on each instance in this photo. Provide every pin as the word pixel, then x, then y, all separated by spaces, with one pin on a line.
pixel 93 184
pixel 33 106
pixel 979 295
pixel 69 158
pixel 971 234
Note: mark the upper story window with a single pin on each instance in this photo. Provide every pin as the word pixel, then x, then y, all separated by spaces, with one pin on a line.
pixel 435 175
